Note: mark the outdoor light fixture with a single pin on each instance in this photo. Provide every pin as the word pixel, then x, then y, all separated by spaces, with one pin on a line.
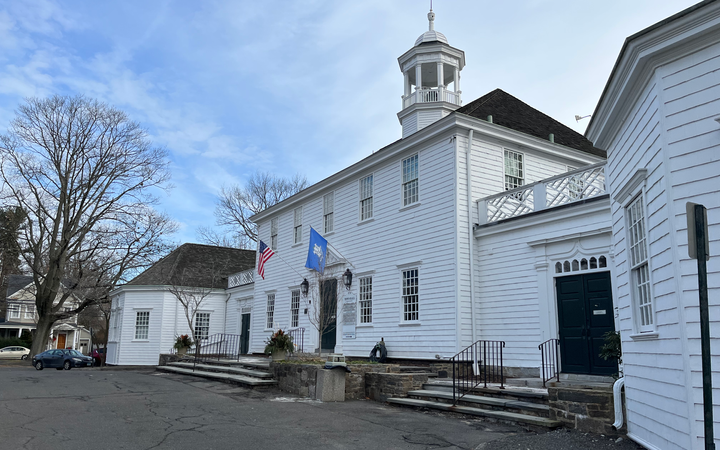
pixel 304 287
pixel 347 279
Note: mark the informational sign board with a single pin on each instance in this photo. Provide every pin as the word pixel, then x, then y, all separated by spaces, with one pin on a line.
pixel 349 316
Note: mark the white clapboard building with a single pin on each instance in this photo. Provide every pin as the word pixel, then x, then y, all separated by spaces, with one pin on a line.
pixel 491 221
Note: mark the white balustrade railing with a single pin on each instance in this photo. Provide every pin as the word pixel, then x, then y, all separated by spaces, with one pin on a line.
pixel 569 187
pixel 242 278
pixel 429 95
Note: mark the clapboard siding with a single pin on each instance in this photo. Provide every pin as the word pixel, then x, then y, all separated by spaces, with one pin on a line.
pixel 691 98
pixel 394 236
pixel 514 299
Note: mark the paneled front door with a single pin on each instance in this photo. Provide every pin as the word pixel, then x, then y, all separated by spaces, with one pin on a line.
pixel 245 334
pixel 60 341
pixel 585 314
pixel 328 314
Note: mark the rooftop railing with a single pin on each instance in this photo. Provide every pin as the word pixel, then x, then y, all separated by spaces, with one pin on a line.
pixel 569 187
pixel 241 278
pixel 429 95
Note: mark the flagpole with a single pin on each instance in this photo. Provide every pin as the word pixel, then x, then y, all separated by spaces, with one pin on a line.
pixel 301 276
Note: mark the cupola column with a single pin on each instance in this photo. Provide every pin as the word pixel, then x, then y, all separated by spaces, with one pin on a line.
pixel 440 75
pixel 418 77
pixel 407 83
pixel 457 80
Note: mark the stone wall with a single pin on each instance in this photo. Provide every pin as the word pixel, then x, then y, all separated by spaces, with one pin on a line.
pixel 381 386
pixel 168 358
pixel 355 380
pixel 298 379
pixel 584 408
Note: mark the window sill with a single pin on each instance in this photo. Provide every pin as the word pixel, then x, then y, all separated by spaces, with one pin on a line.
pixel 329 233
pixel 364 325
pixel 363 222
pixel 297 245
pixel 648 336
pixel 414 205
pixel 415 323
pixel 140 340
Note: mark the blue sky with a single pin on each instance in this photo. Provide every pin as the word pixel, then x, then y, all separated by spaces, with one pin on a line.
pixel 309 87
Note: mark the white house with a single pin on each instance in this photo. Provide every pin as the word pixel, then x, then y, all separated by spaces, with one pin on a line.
pixel 658 119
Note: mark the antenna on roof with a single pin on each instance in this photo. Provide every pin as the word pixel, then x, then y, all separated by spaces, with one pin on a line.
pixel 578 118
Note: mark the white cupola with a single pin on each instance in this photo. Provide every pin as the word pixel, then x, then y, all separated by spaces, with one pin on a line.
pixel 432 80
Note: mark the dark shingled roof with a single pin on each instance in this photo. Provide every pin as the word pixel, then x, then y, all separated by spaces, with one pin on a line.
pixel 196 265
pixel 17 282
pixel 512 113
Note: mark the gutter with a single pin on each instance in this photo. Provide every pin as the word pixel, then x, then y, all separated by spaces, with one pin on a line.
pixel 471 240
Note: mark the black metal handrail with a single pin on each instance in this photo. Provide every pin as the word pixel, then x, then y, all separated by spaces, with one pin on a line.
pixel 298 337
pixel 549 356
pixel 217 346
pixel 467 376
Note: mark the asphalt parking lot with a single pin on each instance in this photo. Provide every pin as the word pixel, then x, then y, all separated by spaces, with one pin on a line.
pixel 94 408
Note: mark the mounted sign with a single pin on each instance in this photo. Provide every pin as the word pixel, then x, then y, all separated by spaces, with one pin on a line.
pixel 692 238
pixel 349 316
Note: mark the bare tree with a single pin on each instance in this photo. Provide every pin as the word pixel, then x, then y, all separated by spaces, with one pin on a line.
pixel 322 302
pixel 192 298
pixel 86 176
pixel 237 204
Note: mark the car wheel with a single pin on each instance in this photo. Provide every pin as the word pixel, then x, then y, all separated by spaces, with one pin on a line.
pixel 39 365
pixel 66 365
pixel 23 357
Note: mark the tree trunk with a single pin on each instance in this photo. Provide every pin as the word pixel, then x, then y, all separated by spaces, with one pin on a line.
pixel 42 334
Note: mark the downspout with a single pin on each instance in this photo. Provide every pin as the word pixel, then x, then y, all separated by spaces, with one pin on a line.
pixel 227 300
pixel 617 401
pixel 471 239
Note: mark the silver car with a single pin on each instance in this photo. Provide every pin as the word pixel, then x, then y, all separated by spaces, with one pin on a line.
pixel 14 352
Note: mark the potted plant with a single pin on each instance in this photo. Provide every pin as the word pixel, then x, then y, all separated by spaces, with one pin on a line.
pixel 278 345
pixel 182 344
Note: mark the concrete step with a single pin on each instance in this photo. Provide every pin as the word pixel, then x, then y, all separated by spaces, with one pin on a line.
pixel 498 415
pixel 524 394
pixel 532 409
pixel 220 376
pixel 224 369
pixel 248 363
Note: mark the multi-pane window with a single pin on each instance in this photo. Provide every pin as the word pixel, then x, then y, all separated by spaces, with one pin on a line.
pixel 270 311
pixel 366 197
pixel 514 170
pixel 13 311
pixel 365 299
pixel 202 325
pixel 410 298
pixel 637 235
pixel 410 180
pixel 29 312
pixel 328 209
pixel 273 233
pixel 294 308
pixel 142 324
pixel 297 225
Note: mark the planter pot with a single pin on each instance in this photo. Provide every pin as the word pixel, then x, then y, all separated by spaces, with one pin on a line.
pixel 278 355
pixel 182 351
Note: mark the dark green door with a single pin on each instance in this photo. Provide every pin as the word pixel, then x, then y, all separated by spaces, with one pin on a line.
pixel 585 314
pixel 245 334
pixel 328 314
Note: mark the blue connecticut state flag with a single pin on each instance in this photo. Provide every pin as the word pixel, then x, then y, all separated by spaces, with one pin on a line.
pixel 316 252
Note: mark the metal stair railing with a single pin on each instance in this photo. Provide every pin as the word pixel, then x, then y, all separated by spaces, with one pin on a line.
pixel 220 345
pixel 481 362
pixel 549 357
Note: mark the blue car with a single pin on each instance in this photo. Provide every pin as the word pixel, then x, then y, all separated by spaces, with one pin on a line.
pixel 61 359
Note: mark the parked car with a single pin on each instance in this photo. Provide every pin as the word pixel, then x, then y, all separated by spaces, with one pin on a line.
pixel 98 356
pixel 61 359
pixel 14 352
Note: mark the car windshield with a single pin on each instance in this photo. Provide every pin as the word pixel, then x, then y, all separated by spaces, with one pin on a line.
pixel 74 353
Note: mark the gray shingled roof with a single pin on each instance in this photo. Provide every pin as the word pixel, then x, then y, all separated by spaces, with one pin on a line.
pixel 197 265
pixel 17 282
pixel 517 115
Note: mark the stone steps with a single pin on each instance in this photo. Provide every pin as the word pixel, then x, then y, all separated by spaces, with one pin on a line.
pixel 492 403
pixel 504 416
pixel 242 380
pixel 248 372
pixel 530 395
pixel 223 368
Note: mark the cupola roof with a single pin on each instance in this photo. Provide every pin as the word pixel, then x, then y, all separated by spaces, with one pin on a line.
pixel 431 35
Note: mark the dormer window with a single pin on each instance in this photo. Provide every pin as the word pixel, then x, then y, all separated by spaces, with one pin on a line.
pixel 514 170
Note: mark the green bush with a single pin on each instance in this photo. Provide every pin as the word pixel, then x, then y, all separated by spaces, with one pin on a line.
pixel 10 342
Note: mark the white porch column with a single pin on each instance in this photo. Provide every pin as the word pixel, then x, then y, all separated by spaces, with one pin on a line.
pixel 418 77
pixel 19 332
pixel 407 83
pixel 440 75
pixel 456 79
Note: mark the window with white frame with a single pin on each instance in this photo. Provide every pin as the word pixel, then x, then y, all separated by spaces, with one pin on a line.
pixel 328 209
pixel 270 311
pixel 13 311
pixel 142 324
pixel 29 312
pixel 202 325
pixel 410 298
pixel 297 227
pixel 294 308
pixel 410 180
pixel 514 170
pixel 273 233
pixel 640 271
pixel 366 197
pixel 365 284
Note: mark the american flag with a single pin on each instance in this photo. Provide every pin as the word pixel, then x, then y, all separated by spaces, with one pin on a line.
pixel 265 254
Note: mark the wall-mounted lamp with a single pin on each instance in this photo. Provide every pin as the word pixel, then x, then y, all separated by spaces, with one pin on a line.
pixel 347 279
pixel 304 287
